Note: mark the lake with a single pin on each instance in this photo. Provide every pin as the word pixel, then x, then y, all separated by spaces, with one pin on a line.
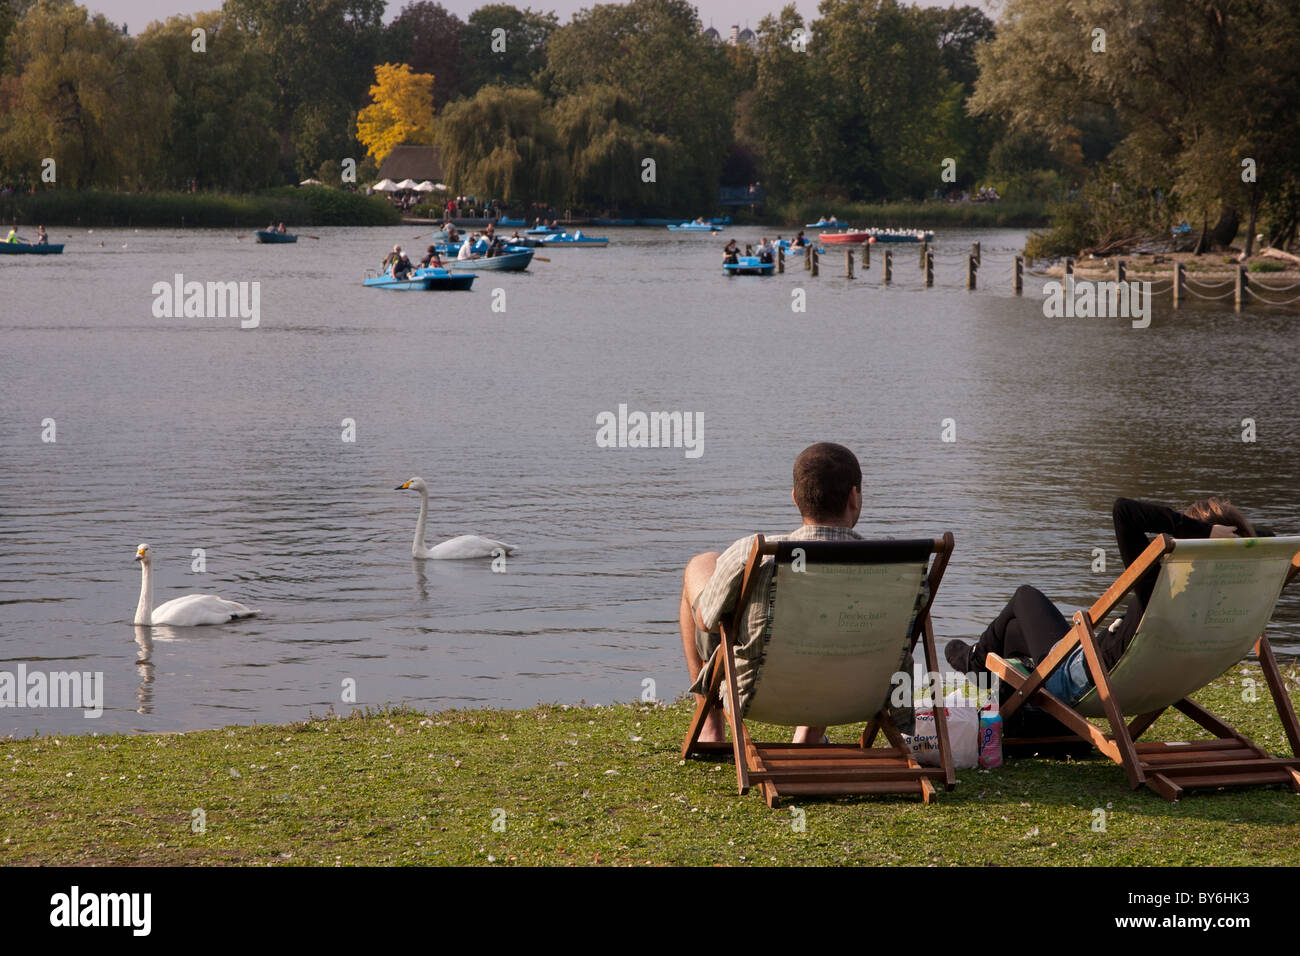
pixel 195 433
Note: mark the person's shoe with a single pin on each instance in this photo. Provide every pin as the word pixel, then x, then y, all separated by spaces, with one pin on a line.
pixel 958 654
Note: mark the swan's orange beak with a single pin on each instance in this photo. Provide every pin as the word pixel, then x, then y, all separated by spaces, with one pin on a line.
pixel 403 486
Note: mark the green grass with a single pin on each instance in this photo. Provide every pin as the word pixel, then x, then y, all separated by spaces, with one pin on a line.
pixel 588 785
pixel 106 208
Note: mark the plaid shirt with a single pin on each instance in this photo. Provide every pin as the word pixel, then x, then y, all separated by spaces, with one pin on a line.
pixel 718 601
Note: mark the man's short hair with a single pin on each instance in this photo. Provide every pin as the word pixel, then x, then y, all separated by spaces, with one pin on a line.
pixel 824 474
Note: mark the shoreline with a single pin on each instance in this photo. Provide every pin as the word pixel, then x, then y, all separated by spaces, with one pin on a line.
pixel 590 785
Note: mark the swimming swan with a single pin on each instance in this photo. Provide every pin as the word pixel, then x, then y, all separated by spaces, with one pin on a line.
pixel 464 546
pixel 188 611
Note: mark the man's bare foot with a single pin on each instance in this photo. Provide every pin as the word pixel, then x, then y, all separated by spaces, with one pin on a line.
pixel 808 735
pixel 713 731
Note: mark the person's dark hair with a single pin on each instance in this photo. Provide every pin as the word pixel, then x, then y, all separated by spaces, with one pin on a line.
pixel 1218 510
pixel 824 474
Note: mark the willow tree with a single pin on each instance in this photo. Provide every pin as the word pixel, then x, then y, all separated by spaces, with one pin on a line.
pixel 501 143
pixel 676 81
pixel 605 149
pixel 80 95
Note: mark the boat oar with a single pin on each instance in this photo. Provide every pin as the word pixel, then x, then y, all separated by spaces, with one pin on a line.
pixel 539 259
pixel 309 237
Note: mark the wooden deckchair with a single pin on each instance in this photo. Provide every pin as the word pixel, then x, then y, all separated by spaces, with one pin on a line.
pixel 1211 603
pixel 841 623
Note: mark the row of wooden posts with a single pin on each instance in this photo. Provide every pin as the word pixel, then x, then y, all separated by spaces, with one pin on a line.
pixel 812 265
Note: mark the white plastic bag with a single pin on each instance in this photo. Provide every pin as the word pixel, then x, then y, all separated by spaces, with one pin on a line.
pixel 963 723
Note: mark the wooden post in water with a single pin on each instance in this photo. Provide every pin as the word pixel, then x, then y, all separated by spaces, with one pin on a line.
pixel 1239 288
pixel 929 268
pixel 1020 275
pixel 925 251
pixel 975 252
pixel 887 267
pixel 1069 266
pixel 780 260
pixel 848 263
pixel 1178 284
pixel 972 265
pixel 866 255
pixel 1119 271
pixel 807 258
pixel 815 260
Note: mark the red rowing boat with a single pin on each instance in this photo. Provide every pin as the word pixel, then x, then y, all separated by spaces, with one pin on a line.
pixel 856 238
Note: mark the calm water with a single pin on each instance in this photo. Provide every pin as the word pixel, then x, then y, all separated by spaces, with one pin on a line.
pixel 194 433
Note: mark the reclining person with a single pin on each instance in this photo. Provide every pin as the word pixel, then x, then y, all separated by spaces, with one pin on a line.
pixel 1031 624
pixel 828 492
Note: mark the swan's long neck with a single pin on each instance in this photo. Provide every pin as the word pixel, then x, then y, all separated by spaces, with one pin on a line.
pixel 417 546
pixel 144 610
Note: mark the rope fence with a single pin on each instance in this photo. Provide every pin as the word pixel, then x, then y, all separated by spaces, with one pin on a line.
pixel 889 256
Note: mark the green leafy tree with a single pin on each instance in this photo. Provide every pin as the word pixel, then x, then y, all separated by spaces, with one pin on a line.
pixel 427 37
pixel 221 109
pixel 510 57
pixel 502 143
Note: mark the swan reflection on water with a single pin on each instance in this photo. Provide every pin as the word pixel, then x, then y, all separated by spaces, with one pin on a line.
pixel 144 665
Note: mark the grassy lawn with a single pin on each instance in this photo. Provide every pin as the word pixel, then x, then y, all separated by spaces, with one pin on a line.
pixel 590 785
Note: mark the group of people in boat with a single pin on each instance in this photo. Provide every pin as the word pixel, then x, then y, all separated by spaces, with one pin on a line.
pixel 766 251
pixel 279 229
pixel 41 238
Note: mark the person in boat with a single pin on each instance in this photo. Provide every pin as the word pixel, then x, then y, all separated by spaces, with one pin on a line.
pixel 832 221
pixel 488 232
pixel 765 251
pixel 515 238
pixel 402 267
pixel 280 229
pixel 41 238
pixel 730 253
pixel 270 227
pixel 1031 624
pixel 466 250
pixel 13 235
pixel 800 240
pixel 699 221
pixel 431 259
pixel 554 224
pixel 495 247
pixel 453 234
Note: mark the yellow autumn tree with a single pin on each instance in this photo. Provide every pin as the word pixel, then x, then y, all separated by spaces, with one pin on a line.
pixel 401 110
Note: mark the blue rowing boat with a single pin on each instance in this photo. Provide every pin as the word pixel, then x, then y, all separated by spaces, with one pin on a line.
pixel 271 238
pixel 423 280
pixel 545 231
pixel 695 227
pixel 557 241
pixel 506 223
pixel 514 259
pixel 32 249
pixel 749 266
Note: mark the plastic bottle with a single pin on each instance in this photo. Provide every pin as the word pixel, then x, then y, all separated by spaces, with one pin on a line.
pixel 990 738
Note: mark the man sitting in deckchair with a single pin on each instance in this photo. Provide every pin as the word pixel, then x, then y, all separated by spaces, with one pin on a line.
pixel 828 493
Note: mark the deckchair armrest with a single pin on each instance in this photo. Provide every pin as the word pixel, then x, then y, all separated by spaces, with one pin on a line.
pixel 1160 546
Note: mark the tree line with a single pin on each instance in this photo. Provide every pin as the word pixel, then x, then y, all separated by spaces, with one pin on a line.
pixel 1133 114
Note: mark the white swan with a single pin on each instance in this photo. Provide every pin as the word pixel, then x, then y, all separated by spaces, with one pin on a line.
pixel 463 546
pixel 188 611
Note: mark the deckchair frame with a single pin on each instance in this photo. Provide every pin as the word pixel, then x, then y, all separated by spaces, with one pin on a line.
pixel 787 769
pixel 1168 768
